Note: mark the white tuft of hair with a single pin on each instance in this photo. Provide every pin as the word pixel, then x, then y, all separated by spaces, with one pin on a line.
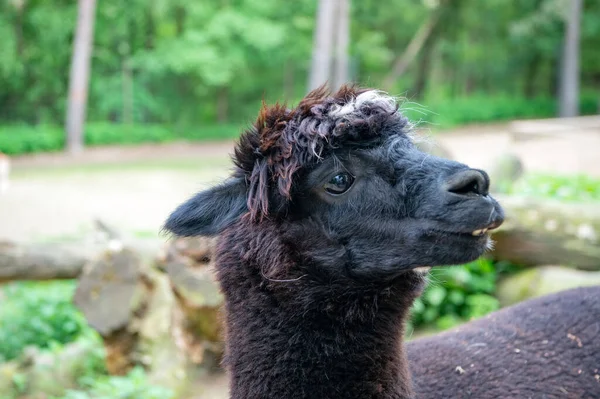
pixel 489 245
pixel 368 98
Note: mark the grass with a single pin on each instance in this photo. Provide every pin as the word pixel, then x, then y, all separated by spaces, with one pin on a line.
pixel 578 188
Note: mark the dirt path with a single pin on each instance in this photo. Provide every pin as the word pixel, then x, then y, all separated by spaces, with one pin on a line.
pixel 133 188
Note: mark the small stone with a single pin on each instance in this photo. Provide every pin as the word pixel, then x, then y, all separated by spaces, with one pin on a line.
pixel 517 350
pixel 459 370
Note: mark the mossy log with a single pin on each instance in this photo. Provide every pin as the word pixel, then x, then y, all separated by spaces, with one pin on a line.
pixel 548 232
pixel 544 280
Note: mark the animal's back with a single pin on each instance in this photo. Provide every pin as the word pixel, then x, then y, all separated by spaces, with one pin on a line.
pixel 547 347
pixel 4 173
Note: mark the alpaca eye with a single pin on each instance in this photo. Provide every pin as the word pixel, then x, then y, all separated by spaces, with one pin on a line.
pixel 339 183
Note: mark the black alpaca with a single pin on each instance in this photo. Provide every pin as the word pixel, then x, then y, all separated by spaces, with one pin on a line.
pixel 325 226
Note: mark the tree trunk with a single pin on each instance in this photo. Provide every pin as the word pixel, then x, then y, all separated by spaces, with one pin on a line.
pixel 127 90
pixel 289 74
pixel 222 104
pixel 342 39
pixel 423 68
pixel 320 69
pixel 417 42
pixel 546 232
pixel 531 74
pixel 79 75
pixel 569 76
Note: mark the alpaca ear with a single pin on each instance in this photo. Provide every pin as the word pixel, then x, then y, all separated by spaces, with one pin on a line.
pixel 209 212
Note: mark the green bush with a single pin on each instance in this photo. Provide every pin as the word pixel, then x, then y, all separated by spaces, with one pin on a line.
pixel 39 314
pixel 23 139
pixel 485 108
pixel 458 293
pixel 564 188
pixel 109 133
pixel 132 386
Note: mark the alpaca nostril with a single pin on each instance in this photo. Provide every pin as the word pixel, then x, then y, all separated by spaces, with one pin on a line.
pixel 467 182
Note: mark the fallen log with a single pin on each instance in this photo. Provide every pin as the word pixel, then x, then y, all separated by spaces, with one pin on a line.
pixel 58 261
pixel 40 261
pixel 548 232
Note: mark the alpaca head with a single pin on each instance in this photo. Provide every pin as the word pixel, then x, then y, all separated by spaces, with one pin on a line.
pixel 340 180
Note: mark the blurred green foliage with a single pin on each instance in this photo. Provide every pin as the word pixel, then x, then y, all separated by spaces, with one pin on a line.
pixel 39 314
pixel 564 188
pixel 481 108
pixel 134 385
pixel 458 293
pixel 23 139
pixel 189 64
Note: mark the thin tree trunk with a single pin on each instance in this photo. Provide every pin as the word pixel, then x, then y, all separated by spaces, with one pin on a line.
pixel 150 30
pixel 412 50
pixel 423 69
pixel 18 25
pixel 569 76
pixel 127 76
pixel 289 75
pixel 222 104
pixel 179 20
pixel 79 75
pixel 530 75
pixel 342 37
pixel 322 45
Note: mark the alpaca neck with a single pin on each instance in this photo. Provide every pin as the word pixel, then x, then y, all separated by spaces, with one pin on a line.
pixel 300 339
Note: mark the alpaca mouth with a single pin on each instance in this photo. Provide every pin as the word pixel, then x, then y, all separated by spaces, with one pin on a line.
pixel 477 233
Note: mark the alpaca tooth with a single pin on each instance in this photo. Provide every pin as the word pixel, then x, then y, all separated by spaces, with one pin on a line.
pixel 477 232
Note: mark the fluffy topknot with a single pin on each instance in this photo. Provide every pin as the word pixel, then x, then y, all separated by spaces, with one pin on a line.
pixel 283 141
